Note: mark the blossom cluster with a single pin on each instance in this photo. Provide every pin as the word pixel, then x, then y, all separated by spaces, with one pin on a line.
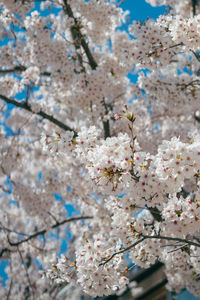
pixel 94 277
pixel 109 162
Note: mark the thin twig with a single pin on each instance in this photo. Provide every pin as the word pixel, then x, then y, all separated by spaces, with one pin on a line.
pixel 170 47
pixel 144 237
pixel 196 55
pixel 121 251
pixel 11 230
pixel 177 248
pixel 4 190
pixel 171 239
pixel 55 219
pixel 26 271
pixel 121 2
pixel 4 250
pixel 42 232
pixel 9 291
pixel 173 46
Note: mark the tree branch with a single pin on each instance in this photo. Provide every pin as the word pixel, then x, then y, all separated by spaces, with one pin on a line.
pixel 121 251
pixel 155 213
pixel 11 230
pixel 106 127
pixel 4 250
pixel 13 70
pixel 42 232
pixel 27 274
pixel 41 113
pixel 20 69
pixel 171 239
pixel 194 3
pixel 79 40
pixel 78 37
pixel 144 237
pixel 196 55
pixel 76 34
pixel 9 291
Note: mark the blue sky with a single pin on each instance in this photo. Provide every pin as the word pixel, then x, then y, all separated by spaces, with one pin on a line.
pixel 140 10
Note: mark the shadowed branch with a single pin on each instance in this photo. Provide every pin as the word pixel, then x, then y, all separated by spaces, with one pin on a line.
pixel 144 237
pixel 41 113
pixel 42 232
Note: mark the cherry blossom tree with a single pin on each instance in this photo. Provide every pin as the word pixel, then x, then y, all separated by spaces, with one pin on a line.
pixel 76 131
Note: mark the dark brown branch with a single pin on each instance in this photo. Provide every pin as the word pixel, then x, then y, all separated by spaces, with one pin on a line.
pixel 106 127
pixel 178 248
pixel 12 230
pixel 79 40
pixel 91 59
pixel 155 213
pixel 26 271
pixel 182 85
pixel 144 237
pixel 122 251
pixel 196 55
pixel 19 69
pixel 194 3
pixel 170 47
pixel 173 46
pixel 77 35
pixel 9 291
pixel 4 189
pixel 171 239
pixel 4 250
pixel 197 238
pixel 41 113
pixel 42 232
pixel 13 70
